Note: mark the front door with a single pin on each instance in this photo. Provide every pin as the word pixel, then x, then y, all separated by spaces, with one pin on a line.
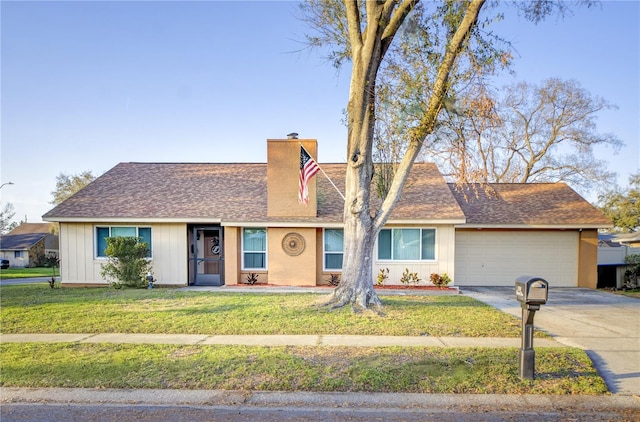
pixel 206 256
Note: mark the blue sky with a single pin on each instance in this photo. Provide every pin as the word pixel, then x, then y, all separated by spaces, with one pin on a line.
pixel 86 85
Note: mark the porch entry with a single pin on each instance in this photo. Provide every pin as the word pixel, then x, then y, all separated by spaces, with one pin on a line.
pixel 206 258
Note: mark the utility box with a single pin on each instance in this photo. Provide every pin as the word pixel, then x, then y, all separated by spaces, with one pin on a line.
pixel 531 290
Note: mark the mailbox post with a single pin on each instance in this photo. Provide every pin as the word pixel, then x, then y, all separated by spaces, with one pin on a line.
pixel 531 292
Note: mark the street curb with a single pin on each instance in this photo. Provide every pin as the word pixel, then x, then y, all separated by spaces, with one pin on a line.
pixel 320 400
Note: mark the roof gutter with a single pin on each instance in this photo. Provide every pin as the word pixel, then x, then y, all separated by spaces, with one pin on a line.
pixel 533 226
pixel 131 220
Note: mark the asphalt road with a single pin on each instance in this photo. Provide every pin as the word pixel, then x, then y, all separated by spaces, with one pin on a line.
pixel 11 281
pixel 188 413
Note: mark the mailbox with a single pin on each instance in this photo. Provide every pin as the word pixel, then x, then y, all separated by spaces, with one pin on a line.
pixel 531 290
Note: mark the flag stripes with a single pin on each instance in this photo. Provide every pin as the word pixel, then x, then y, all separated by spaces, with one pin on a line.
pixel 308 168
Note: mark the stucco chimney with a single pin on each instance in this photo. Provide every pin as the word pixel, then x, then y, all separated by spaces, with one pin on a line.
pixel 283 170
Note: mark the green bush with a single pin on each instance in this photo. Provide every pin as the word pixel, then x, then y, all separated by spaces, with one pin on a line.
pixel 383 276
pixel 127 263
pixel 633 269
pixel 409 277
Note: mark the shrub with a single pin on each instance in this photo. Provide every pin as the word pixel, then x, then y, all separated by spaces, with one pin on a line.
pixel 440 280
pixel 252 278
pixel 409 278
pixel 383 276
pixel 127 263
pixel 633 272
pixel 334 279
pixel 47 261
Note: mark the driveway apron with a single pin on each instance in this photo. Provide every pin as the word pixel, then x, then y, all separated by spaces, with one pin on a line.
pixel 605 325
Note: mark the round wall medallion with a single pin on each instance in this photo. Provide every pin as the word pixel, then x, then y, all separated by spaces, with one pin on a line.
pixel 293 244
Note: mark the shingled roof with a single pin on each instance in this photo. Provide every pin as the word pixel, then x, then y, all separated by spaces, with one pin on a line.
pixel 237 193
pixel 234 192
pixel 20 242
pixel 527 204
pixel 26 235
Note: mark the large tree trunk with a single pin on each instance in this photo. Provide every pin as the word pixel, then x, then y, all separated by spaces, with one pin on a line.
pixel 360 234
pixel 356 286
pixel 361 226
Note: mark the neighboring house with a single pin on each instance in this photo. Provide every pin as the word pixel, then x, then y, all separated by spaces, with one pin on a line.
pixel 23 245
pixel 213 224
pixel 612 251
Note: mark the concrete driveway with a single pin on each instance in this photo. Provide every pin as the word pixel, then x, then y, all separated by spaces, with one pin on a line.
pixel 605 325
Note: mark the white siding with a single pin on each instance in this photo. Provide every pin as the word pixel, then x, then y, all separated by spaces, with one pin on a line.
pixel 79 266
pixel 444 262
pixel 496 258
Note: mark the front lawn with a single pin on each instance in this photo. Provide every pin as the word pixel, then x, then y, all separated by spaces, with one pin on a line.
pixel 36 308
pixel 629 293
pixel 333 369
pixel 10 273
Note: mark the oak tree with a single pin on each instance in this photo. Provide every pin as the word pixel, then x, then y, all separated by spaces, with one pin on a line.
pixel 527 133
pixel 623 205
pixel 68 184
pixel 447 37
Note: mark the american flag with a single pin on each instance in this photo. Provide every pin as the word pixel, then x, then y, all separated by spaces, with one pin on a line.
pixel 308 168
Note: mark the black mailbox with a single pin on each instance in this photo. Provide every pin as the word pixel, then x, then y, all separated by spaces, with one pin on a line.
pixel 531 290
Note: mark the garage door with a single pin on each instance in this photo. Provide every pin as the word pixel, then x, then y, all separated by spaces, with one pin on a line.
pixel 493 258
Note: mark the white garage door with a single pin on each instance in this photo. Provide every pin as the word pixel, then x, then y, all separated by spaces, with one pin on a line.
pixel 492 258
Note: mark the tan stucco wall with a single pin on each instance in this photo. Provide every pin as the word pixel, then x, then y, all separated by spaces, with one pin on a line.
pixel 231 255
pixel 588 259
pixel 79 266
pixel 289 270
pixel 283 169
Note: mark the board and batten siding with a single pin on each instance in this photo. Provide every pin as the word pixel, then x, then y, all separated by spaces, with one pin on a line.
pixel 497 258
pixel 444 262
pixel 78 264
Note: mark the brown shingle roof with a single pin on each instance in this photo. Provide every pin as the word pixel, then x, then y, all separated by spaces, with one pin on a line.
pixel 28 228
pixel 534 204
pixel 232 192
pixel 171 190
pixel 237 192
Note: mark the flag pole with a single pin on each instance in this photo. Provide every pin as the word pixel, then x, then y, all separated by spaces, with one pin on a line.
pixel 325 174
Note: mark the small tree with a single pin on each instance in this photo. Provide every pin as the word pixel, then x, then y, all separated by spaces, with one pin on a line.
pixel 68 184
pixel 127 263
pixel 6 215
pixel 633 271
pixel 623 207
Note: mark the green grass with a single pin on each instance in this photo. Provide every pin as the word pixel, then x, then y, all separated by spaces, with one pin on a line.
pixel 36 308
pixel 27 272
pixel 389 369
pixel 629 293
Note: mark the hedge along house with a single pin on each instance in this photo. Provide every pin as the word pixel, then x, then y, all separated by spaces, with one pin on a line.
pixel 215 224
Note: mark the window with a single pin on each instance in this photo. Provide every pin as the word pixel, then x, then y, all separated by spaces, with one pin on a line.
pixel 407 244
pixel 333 249
pixel 18 254
pixel 254 249
pixel 102 233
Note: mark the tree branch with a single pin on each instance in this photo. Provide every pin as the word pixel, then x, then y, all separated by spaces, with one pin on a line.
pixel 428 120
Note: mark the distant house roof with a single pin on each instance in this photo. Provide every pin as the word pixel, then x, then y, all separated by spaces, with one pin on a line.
pixel 26 235
pixel 20 242
pixel 232 192
pixel 528 204
pixel 26 228
pixel 630 239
